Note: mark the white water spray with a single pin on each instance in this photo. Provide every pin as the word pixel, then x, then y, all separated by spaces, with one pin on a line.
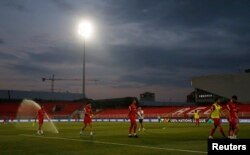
pixel 28 110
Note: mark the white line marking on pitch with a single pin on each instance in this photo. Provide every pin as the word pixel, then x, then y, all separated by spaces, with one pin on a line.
pixel 111 143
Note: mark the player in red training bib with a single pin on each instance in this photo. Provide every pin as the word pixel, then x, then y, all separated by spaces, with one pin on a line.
pixel 132 114
pixel 40 117
pixel 87 118
pixel 216 112
pixel 197 117
pixel 233 119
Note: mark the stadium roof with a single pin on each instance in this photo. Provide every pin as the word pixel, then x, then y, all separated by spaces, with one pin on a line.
pixel 19 95
pixel 225 85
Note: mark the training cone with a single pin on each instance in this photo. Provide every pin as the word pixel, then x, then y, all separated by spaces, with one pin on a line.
pixel 210 121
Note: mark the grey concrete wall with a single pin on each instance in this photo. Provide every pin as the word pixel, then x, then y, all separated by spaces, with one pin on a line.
pixel 225 85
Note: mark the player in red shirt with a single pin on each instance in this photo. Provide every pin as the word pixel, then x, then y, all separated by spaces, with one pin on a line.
pixel 132 114
pixel 40 117
pixel 233 119
pixel 87 118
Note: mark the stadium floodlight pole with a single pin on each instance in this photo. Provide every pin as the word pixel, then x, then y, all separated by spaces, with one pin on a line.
pixel 85 30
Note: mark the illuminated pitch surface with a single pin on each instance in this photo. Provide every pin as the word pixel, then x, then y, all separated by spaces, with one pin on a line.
pixel 110 138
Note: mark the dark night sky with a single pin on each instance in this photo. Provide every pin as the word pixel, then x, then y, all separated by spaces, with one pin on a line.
pixel 137 45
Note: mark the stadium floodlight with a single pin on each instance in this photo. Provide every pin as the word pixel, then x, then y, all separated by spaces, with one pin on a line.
pixel 85 29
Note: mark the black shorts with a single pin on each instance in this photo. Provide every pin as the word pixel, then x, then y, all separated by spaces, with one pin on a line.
pixel 140 120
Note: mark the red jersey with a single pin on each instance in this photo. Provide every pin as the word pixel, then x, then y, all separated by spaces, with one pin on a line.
pixel 40 114
pixel 87 110
pixel 232 109
pixel 132 110
pixel 88 113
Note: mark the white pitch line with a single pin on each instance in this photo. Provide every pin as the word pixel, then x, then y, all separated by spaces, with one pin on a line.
pixel 119 144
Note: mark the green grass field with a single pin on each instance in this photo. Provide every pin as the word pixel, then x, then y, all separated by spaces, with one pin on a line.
pixel 109 139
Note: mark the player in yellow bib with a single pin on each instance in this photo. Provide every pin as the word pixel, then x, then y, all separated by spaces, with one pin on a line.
pixel 197 117
pixel 216 111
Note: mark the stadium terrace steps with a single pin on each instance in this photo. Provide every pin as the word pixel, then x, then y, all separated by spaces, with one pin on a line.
pixel 61 108
pixel 66 109
pixel 171 111
pixel 123 112
pixel 8 109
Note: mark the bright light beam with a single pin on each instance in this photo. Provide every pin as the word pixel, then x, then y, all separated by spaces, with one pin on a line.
pixel 85 29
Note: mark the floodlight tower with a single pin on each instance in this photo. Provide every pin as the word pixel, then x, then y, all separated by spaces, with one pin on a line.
pixel 85 29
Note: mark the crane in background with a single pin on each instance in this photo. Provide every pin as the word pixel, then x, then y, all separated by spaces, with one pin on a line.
pixel 53 79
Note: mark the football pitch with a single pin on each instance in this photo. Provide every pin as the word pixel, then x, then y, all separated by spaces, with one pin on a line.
pixel 110 138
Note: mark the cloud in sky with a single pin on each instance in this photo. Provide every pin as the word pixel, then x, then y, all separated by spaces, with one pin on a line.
pixel 1 41
pixel 137 46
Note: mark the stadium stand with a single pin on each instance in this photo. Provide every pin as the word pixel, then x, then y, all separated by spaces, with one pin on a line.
pixel 54 109
pixel 123 112
pixel 8 109
pixel 170 111
pixel 67 109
